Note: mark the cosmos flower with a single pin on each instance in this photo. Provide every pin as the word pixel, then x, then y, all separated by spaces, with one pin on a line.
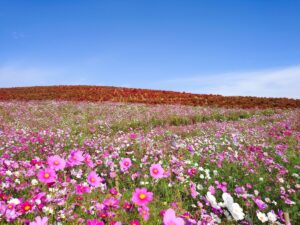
pixel 81 189
pixel 261 216
pixel 171 219
pixel 235 210
pixel 47 175
pixel 75 158
pixel 212 200
pixel 93 179
pixel 88 160
pixel 26 207
pixel 141 196
pixel 39 221
pixel 156 171
pixel 135 222
pixel 125 164
pixel 260 204
pixel 94 222
pixel 144 212
pixel 55 162
pixel 111 202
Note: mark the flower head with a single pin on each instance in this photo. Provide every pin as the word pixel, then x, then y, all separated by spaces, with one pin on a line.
pixel 135 222
pixel 57 163
pixel 125 164
pixel 47 175
pixel 93 179
pixel 94 222
pixel 171 219
pixel 75 158
pixel 26 207
pixel 141 196
pixel 40 221
pixel 156 171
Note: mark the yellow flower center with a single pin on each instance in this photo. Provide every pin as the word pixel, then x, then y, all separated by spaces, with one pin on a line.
pixel 10 206
pixel 56 162
pixel 93 179
pixel 142 196
pixel 155 171
pixel 46 175
pixel 27 207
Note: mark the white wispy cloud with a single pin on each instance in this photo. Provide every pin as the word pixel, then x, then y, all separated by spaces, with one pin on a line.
pixel 18 35
pixel 280 82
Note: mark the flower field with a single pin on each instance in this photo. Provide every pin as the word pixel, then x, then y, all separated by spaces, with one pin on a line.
pixel 126 163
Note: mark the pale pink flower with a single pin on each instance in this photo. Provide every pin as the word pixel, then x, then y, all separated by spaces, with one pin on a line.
pixel 57 163
pixel 93 179
pixel 39 221
pixel 75 158
pixel 125 164
pixel 156 171
pixel 171 219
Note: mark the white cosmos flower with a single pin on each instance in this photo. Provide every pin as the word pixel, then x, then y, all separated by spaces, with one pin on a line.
pixel 234 208
pixel 14 201
pixel 272 216
pixel 262 216
pixel 212 200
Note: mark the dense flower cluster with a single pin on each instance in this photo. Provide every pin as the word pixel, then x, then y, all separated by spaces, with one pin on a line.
pixel 62 171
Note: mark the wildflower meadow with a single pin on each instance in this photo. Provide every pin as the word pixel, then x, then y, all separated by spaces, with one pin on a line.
pixel 136 164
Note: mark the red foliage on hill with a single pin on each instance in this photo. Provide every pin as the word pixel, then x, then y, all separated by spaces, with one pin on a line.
pixel 116 94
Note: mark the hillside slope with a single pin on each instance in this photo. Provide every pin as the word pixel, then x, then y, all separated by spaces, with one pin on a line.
pixel 117 94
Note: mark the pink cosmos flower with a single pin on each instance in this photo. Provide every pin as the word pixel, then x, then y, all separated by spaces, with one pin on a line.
pixel 260 204
pixel 144 212
pixel 156 171
pixel 194 192
pixel 135 222
pixel 75 158
pixel 57 163
pixel 26 206
pixel 141 196
pixel 125 164
pixel 88 160
pixel 93 179
pixel 111 202
pixel 47 175
pixel 40 221
pixel 81 189
pixel 171 219
pixel 94 222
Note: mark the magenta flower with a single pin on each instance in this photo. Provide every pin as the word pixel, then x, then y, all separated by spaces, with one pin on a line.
pixel 171 219
pixel 47 175
pixel 93 179
pixel 141 196
pixel 57 163
pixel 125 164
pixel 135 222
pixel 260 204
pixel 40 221
pixel 75 158
pixel 26 206
pixel 94 222
pixel 156 171
pixel 81 189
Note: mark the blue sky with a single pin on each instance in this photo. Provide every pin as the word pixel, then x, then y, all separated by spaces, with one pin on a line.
pixel 243 47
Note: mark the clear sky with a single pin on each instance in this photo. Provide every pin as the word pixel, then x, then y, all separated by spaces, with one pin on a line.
pixel 244 47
